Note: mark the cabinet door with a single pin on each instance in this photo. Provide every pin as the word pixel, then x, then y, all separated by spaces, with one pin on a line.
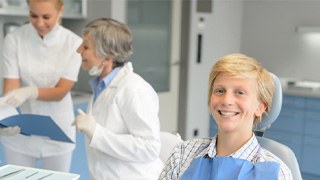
pixel 79 163
pixel 293 141
pixel 312 123
pixel 293 102
pixel 289 120
pixel 310 156
pixel 312 104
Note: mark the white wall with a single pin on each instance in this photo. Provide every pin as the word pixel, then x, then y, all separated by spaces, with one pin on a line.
pixel 221 36
pixel 269 35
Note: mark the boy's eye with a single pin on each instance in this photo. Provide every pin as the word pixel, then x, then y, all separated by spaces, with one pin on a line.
pixel 240 92
pixel 218 91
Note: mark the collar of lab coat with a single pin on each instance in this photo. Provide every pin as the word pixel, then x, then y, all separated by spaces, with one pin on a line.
pixel 51 38
pixel 125 70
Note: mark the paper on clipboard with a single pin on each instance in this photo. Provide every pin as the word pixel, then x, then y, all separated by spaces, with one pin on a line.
pixel 32 124
pixel 6 111
pixel 21 172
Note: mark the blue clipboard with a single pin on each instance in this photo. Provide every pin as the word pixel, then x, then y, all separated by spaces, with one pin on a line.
pixel 40 125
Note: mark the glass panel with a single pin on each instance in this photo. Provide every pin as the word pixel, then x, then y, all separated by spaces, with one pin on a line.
pixel 73 9
pixel 72 6
pixel 149 21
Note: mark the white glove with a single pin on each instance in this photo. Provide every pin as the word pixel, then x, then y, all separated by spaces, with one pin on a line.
pixel 18 96
pixel 10 131
pixel 85 123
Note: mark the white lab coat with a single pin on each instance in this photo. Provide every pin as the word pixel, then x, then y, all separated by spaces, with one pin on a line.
pixel 42 62
pixel 126 142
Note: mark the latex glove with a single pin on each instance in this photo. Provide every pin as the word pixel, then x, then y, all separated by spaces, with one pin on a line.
pixel 85 123
pixel 18 96
pixel 10 131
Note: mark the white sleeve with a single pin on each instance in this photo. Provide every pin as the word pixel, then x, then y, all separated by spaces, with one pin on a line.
pixel 73 63
pixel 10 57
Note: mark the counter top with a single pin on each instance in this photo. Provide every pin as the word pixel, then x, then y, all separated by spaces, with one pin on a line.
pixel 296 87
pixel 300 91
pixel 80 97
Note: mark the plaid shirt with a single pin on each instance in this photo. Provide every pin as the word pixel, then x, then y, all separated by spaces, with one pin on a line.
pixel 186 152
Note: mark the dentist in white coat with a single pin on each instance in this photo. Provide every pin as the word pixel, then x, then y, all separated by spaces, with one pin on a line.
pixel 121 123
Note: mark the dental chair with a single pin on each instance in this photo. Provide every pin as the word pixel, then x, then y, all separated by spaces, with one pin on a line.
pixel 282 151
pixel 168 142
pixel 278 149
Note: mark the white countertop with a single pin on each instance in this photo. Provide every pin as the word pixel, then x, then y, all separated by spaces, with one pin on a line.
pixel 80 97
pixel 300 88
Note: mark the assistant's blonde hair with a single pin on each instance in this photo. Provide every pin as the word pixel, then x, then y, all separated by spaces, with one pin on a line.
pixel 58 3
pixel 245 67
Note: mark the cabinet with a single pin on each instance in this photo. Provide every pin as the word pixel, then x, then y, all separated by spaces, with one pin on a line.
pixel 79 160
pixel 298 126
pixel 73 9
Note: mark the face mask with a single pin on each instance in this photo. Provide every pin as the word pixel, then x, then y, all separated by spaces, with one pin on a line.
pixel 95 71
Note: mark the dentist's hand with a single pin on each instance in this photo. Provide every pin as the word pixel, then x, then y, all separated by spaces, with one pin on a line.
pixel 10 131
pixel 18 96
pixel 85 123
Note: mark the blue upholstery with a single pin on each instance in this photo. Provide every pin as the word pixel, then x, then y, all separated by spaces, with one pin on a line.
pixel 278 149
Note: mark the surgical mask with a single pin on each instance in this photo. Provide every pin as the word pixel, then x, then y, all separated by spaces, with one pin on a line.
pixel 95 70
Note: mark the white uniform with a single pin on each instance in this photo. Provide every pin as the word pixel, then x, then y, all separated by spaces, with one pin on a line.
pixel 126 142
pixel 42 62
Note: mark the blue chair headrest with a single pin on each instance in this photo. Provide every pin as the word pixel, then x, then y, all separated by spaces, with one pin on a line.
pixel 273 114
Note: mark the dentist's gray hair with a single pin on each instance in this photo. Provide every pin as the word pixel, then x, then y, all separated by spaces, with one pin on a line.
pixel 111 38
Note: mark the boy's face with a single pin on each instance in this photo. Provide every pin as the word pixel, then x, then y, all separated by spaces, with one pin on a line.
pixel 235 104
